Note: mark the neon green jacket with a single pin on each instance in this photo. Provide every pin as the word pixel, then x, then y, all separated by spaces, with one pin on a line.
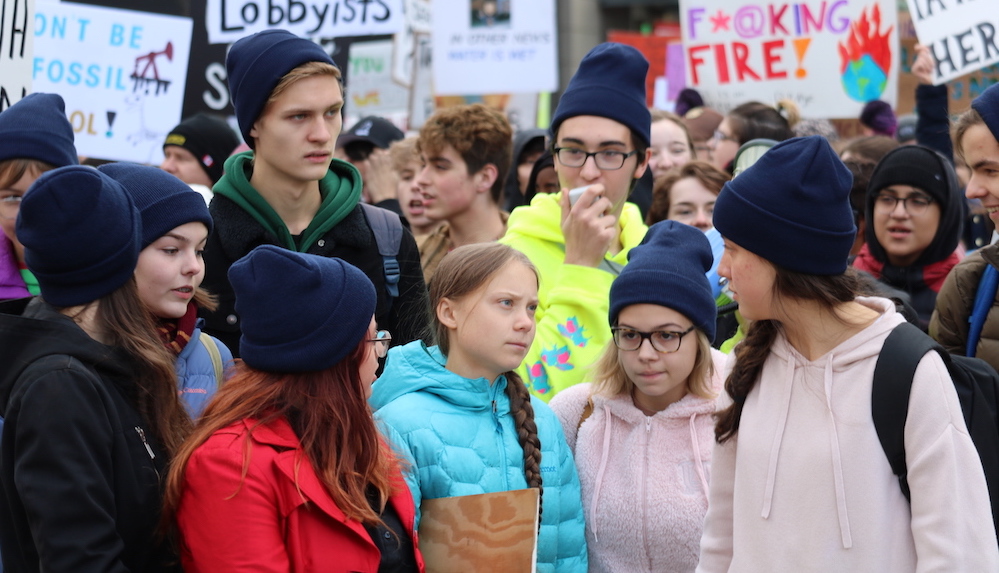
pixel 573 300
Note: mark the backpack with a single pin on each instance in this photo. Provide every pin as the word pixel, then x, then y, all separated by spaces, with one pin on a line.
pixel 387 227
pixel 977 385
pixel 988 284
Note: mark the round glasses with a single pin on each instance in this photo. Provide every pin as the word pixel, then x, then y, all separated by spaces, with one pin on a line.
pixel 382 340
pixel 915 204
pixel 9 206
pixel 662 341
pixel 606 160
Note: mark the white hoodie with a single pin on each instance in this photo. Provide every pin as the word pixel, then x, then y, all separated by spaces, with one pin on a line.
pixel 806 486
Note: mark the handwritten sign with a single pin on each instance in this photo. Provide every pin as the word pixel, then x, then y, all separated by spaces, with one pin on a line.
pixel 961 34
pixel 16 47
pixel 372 90
pixel 230 20
pixel 829 56
pixel 491 46
pixel 122 74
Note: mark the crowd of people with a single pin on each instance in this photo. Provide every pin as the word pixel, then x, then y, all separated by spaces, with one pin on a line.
pixel 267 356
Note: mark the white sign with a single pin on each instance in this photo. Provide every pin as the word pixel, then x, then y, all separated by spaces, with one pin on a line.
pixel 122 74
pixel 417 22
pixel 961 34
pixel 494 46
pixel 230 20
pixel 828 56
pixel 16 48
pixel 371 90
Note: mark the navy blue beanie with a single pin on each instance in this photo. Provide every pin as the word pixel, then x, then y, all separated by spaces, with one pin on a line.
pixel 879 116
pixel 300 312
pixel 668 269
pixel 610 82
pixel 792 207
pixel 80 232
pixel 987 106
pixel 257 63
pixel 164 201
pixel 36 128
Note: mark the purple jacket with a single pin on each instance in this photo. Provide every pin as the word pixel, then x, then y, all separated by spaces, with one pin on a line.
pixel 11 284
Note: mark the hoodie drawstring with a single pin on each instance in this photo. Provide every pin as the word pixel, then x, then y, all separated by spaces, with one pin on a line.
pixel 844 520
pixel 768 496
pixel 698 463
pixel 604 454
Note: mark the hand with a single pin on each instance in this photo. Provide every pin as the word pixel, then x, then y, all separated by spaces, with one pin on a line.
pixel 922 67
pixel 588 227
pixel 380 180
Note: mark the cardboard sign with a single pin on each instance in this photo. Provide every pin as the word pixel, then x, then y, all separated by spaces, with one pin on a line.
pixel 230 20
pixel 122 74
pixel 16 50
pixel 461 534
pixel 494 46
pixel 961 34
pixel 828 56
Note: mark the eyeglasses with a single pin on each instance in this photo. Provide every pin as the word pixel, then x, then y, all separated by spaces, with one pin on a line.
pixel 381 340
pixel 719 137
pixel 662 341
pixel 915 204
pixel 606 160
pixel 9 206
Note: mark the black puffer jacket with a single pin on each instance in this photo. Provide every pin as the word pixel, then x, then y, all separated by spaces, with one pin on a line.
pixel 81 472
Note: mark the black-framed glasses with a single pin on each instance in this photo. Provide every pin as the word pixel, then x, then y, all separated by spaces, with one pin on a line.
pixel 9 206
pixel 915 204
pixel 382 340
pixel 662 341
pixel 606 159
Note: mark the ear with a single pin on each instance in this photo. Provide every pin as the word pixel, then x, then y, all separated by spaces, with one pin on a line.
pixel 643 164
pixel 485 178
pixel 447 313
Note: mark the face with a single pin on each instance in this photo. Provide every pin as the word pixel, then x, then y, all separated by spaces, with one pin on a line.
pixel 296 134
pixel 723 146
pixel 981 154
pixel 547 181
pixel 411 200
pixel 691 203
pixel 369 365
pixel 171 268
pixel 445 185
pixel 660 379
pixel 750 281
pixel 903 235
pixel 9 210
pixel 491 329
pixel 524 170
pixel 183 165
pixel 592 133
pixel 669 147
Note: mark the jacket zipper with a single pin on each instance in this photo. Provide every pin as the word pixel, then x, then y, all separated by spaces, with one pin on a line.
pixel 149 450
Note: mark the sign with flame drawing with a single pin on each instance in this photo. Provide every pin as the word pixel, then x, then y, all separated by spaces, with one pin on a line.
pixel 122 74
pixel 828 56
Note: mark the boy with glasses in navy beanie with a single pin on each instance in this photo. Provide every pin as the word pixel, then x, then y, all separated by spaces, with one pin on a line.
pixel 289 191
pixel 600 140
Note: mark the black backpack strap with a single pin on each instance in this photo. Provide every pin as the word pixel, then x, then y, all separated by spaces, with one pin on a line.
pixel 896 366
pixel 387 228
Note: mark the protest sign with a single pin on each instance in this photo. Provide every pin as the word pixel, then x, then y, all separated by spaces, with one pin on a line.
pixel 961 34
pixel 828 56
pixel 16 42
pixel 404 49
pixel 372 90
pixel 230 20
pixel 122 74
pixel 494 46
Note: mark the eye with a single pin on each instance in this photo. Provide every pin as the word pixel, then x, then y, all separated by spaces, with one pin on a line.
pixel 664 336
pixel 679 150
pixel 572 152
pixel 170 250
pixel 684 212
pixel 610 154
pixel 533 307
pixel 627 334
pixel 200 253
pixel 919 201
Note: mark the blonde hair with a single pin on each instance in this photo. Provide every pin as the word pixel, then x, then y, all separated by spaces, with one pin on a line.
pixel 306 70
pixel 611 380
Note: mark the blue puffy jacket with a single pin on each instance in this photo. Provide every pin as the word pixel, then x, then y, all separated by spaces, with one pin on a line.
pixel 196 373
pixel 459 438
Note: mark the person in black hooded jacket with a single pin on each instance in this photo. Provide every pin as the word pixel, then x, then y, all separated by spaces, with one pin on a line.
pixel 87 391
pixel 914 212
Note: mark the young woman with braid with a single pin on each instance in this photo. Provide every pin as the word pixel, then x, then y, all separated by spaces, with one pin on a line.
pixel 463 419
pixel 800 481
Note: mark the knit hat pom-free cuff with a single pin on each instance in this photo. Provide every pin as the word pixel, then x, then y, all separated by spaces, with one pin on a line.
pixel 987 106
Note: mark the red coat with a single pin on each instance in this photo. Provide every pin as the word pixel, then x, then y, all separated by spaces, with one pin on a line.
pixel 269 523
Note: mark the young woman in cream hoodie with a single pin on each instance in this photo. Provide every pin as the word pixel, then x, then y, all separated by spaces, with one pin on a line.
pixel 800 481
pixel 642 432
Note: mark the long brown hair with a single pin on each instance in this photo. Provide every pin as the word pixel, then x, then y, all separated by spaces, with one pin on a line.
pixel 460 273
pixel 327 410
pixel 750 354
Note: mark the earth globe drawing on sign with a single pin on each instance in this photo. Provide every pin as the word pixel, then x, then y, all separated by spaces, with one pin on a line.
pixel 865 57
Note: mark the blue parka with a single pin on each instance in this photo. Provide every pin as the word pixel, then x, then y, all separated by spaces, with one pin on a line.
pixel 196 373
pixel 459 438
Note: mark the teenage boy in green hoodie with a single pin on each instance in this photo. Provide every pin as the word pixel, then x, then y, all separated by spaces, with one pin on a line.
pixel 600 139
pixel 289 191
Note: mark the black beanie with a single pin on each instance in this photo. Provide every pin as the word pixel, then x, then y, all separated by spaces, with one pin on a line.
pixel 209 139
pixel 257 63
pixel 37 128
pixel 792 207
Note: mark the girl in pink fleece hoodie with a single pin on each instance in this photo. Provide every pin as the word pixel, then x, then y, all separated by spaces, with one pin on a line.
pixel 800 480
pixel 642 432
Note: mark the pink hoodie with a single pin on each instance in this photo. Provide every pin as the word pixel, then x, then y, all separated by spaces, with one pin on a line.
pixel 644 478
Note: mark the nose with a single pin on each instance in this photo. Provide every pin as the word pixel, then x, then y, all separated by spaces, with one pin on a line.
pixel 899 212
pixel 646 352
pixel 422 178
pixel 320 131
pixel 193 264
pixel 589 170
pixel 525 320
pixel 702 220
pixel 724 270
pixel 169 165
pixel 975 190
